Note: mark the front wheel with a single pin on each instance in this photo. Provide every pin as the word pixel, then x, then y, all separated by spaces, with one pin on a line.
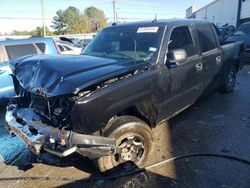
pixel 134 142
pixel 230 80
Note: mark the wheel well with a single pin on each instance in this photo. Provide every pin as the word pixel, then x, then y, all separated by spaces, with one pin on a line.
pixel 134 111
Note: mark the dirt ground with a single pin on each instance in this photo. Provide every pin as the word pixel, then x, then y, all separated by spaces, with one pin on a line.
pixel 216 127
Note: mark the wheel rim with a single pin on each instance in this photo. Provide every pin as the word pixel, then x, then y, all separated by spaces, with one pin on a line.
pixel 231 79
pixel 129 149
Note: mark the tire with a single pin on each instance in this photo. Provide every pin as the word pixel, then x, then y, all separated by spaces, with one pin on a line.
pixel 134 143
pixel 230 80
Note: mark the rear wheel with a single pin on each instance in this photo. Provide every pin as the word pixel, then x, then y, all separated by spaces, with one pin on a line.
pixel 134 142
pixel 230 80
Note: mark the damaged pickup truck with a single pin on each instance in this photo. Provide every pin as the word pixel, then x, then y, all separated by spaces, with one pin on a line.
pixel 104 103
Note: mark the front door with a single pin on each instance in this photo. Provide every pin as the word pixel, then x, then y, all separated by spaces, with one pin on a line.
pixel 185 79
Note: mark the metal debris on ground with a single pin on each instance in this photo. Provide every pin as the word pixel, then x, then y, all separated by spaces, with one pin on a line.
pixel 225 150
pixel 244 119
pixel 195 140
pixel 218 116
pixel 202 122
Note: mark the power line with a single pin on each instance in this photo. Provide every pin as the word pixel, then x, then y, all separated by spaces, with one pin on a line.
pixel 134 5
pixel 123 18
pixel 23 18
pixel 141 13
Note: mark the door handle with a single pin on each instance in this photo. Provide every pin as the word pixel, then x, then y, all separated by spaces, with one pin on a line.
pixel 218 60
pixel 199 67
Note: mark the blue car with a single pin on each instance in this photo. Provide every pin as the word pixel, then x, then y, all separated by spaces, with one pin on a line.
pixel 243 34
pixel 12 49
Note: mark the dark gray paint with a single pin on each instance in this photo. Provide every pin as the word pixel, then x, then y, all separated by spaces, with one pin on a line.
pixel 154 91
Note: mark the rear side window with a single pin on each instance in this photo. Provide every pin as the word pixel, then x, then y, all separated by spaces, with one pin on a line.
pixel 67 48
pixel 61 48
pixel 181 39
pixel 41 46
pixel 15 51
pixel 206 37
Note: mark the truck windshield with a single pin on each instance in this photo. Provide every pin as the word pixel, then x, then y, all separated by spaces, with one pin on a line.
pixel 133 43
pixel 243 30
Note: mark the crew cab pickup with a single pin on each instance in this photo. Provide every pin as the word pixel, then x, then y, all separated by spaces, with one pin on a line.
pixel 131 77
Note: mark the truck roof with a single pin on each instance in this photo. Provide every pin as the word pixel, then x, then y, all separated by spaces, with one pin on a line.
pixel 158 23
pixel 27 40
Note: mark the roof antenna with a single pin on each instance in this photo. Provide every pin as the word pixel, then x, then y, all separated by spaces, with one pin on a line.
pixel 155 20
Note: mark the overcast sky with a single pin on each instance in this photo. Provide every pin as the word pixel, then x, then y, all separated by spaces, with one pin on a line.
pixel 26 14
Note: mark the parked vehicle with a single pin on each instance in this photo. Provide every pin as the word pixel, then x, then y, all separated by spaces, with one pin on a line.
pixel 76 42
pixel 84 42
pixel 243 34
pixel 130 78
pixel 68 49
pixel 226 31
pixel 12 49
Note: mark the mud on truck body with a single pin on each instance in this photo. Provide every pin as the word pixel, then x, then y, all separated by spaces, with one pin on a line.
pixel 104 103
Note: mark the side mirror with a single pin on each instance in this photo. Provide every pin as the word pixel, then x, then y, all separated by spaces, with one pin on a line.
pixel 177 56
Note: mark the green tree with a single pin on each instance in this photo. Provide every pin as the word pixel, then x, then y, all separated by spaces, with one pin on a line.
pixel 70 21
pixel 59 22
pixel 96 17
pixel 38 32
pixel 15 32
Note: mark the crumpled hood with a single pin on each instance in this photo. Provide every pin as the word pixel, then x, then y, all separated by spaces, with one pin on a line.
pixel 59 75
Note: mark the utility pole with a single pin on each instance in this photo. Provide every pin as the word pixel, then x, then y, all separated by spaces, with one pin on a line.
pixel 42 9
pixel 114 10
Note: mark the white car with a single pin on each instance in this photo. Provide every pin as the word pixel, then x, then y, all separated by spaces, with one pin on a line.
pixel 67 49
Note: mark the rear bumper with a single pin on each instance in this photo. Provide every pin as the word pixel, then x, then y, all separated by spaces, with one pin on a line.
pixel 29 126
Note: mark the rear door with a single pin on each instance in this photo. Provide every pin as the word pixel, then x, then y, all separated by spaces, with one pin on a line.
pixel 12 52
pixel 210 52
pixel 6 83
pixel 185 79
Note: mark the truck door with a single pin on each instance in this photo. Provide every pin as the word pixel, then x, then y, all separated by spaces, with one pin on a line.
pixel 210 53
pixel 185 78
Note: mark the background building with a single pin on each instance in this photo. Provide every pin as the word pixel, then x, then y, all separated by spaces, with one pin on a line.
pixel 220 12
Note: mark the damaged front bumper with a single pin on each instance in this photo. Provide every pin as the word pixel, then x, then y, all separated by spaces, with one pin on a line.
pixel 30 127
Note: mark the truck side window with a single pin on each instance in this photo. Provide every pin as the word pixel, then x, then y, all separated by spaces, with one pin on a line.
pixel 181 39
pixel 206 37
